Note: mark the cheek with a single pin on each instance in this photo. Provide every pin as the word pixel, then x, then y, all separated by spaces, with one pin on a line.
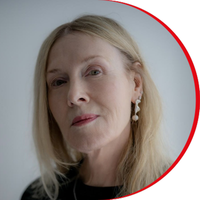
pixel 56 105
pixel 52 104
pixel 118 93
pixel 116 98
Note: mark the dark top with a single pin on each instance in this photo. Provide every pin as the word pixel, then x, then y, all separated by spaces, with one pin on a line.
pixel 75 187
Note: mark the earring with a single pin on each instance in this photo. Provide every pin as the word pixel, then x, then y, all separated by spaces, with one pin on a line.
pixel 137 109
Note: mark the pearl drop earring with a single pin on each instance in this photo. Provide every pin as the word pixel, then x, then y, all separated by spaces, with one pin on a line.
pixel 137 109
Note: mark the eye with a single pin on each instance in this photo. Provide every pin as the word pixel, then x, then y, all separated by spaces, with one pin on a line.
pixel 58 83
pixel 94 72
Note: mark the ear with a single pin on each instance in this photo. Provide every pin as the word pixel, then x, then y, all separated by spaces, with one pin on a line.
pixel 137 81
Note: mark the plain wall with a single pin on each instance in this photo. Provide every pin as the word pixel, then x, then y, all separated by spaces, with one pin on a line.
pixel 24 26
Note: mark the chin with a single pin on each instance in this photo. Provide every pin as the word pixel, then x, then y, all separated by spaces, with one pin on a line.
pixel 89 145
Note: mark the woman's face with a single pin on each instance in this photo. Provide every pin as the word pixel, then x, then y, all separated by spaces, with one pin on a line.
pixel 89 92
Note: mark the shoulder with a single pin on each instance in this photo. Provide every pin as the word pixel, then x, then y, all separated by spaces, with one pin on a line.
pixel 65 184
pixel 30 191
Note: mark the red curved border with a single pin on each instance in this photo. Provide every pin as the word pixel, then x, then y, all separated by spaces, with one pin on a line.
pixel 196 116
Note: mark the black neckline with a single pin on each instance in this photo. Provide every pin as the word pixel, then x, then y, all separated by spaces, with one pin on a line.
pixel 92 192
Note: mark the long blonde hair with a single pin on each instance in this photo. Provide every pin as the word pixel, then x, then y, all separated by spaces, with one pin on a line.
pixel 143 161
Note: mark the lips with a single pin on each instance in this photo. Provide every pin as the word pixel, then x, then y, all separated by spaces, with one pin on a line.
pixel 83 119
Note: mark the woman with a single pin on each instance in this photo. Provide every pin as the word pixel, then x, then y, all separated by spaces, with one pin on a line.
pixel 97 114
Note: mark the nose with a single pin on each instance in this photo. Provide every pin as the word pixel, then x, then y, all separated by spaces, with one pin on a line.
pixel 77 94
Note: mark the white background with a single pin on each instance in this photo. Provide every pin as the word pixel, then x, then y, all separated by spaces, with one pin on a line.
pixel 25 24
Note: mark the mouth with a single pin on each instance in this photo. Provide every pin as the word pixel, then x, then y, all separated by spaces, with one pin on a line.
pixel 84 119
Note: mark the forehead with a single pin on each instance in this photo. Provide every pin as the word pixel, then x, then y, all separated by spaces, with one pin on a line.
pixel 76 47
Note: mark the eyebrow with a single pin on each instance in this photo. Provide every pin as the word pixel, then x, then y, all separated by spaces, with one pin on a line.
pixel 53 71
pixel 90 58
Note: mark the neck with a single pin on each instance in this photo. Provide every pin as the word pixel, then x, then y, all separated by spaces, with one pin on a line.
pixel 99 167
